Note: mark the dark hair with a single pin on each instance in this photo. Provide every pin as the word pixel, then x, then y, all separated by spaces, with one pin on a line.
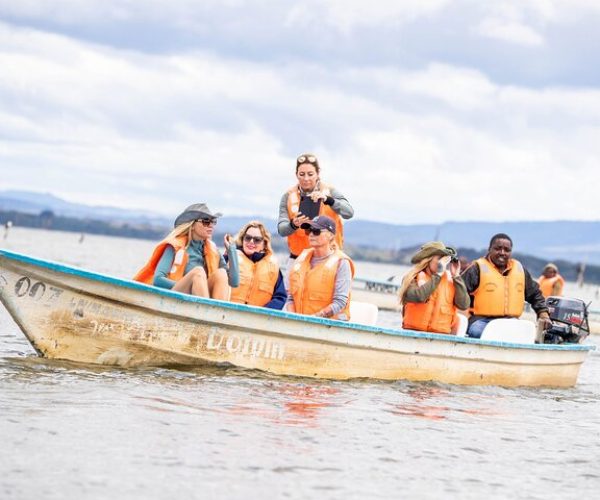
pixel 500 236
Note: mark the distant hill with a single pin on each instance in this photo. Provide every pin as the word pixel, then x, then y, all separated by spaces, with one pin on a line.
pixel 574 241
pixel 566 240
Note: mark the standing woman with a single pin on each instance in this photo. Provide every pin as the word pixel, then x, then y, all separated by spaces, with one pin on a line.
pixel 261 281
pixel 188 261
pixel 332 203
pixel 321 276
pixel 430 293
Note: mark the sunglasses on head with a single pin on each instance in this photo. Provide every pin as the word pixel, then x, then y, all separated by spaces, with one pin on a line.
pixel 312 230
pixel 255 239
pixel 306 159
pixel 207 222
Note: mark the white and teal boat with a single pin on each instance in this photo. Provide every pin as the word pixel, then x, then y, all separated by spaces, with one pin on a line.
pixel 72 314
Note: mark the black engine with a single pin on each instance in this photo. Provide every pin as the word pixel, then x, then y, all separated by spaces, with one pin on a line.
pixel 569 321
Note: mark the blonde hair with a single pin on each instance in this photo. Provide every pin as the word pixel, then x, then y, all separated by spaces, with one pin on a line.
pixel 239 238
pixel 182 229
pixel 333 243
pixel 411 275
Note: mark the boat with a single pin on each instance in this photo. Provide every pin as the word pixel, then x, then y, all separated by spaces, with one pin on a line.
pixel 72 314
pixel 384 294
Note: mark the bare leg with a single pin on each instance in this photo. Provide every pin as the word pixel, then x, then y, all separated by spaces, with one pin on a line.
pixel 218 285
pixel 194 283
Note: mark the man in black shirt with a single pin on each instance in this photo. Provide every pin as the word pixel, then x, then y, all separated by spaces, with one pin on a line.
pixel 499 286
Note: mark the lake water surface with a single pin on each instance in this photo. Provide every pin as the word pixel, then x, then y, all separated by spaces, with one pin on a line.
pixel 77 431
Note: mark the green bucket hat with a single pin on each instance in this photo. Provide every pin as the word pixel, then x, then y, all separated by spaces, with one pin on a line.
pixel 430 249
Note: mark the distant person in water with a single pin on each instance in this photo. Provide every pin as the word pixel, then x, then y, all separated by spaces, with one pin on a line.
pixel 188 261
pixel 261 281
pixel 551 283
pixel 580 274
pixel 433 291
pixel 7 225
pixel 321 277
pixel 499 286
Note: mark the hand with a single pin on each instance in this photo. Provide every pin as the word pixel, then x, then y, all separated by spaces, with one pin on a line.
pixel 300 219
pixel 443 264
pixel 318 195
pixel 545 321
pixel 454 268
pixel 227 241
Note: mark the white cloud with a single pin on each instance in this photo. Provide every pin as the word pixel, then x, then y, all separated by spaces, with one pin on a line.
pixel 113 126
pixel 346 15
pixel 510 31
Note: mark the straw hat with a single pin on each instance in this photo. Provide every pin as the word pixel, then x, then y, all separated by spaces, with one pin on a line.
pixel 430 249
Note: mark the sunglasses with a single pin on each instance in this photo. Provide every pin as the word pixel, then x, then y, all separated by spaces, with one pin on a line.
pixel 306 159
pixel 312 230
pixel 255 239
pixel 207 222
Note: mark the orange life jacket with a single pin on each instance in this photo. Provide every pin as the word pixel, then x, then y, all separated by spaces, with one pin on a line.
pixel 211 259
pixel 498 294
pixel 312 289
pixel 547 284
pixel 298 240
pixel 257 280
pixel 437 313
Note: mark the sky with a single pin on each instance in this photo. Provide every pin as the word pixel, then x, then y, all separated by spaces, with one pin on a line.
pixel 420 111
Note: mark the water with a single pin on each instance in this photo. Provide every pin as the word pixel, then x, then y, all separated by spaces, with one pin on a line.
pixel 77 431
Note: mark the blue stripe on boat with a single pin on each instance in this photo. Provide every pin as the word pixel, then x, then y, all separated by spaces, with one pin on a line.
pixel 62 268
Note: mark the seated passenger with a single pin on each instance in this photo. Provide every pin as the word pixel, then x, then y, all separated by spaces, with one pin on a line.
pixel 321 277
pixel 431 294
pixel 500 286
pixel 261 281
pixel 551 283
pixel 188 261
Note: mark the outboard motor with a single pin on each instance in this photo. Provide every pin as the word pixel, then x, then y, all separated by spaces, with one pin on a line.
pixel 569 321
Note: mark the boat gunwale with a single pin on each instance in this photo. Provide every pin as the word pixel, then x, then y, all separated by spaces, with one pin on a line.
pixel 124 283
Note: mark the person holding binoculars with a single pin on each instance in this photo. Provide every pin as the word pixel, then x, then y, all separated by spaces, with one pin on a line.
pixel 433 291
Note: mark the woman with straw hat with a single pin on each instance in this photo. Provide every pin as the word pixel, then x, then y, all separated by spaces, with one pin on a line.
pixel 432 291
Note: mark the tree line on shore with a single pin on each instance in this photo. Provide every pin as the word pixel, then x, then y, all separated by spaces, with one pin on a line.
pixel 48 220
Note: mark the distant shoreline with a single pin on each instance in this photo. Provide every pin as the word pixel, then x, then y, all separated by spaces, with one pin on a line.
pixel 49 221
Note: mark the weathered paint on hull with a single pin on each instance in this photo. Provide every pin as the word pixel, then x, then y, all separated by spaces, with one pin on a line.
pixel 73 315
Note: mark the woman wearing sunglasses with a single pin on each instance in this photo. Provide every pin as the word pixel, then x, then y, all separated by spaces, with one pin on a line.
pixel 315 198
pixel 432 292
pixel 321 276
pixel 261 281
pixel 188 261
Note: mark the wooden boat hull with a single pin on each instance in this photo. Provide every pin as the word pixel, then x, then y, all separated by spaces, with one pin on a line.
pixel 76 315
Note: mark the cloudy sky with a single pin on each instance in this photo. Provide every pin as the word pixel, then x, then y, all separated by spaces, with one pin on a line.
pixel 419 110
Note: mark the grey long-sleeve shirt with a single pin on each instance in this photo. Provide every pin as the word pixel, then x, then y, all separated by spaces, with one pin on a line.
pixel 335 200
